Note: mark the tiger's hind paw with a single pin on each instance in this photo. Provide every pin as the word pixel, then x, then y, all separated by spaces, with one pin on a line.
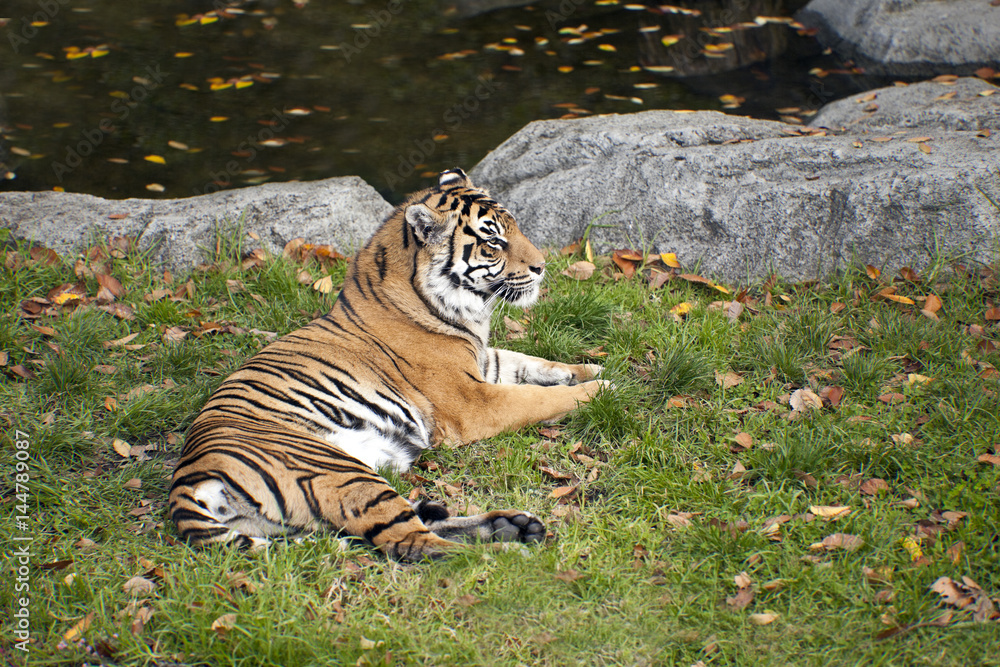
pixel 514 526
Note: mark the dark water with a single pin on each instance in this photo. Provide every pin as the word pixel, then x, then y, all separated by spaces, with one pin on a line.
pixel 391 90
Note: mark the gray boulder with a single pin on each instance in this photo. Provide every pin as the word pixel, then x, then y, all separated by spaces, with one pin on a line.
pixel 342 212
pixel 740 198
pixel 955 106
pixel 909 37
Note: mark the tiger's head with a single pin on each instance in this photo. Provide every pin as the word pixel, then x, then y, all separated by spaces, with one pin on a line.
pixel 473 251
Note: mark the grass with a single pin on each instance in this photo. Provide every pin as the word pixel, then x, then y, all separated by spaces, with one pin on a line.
pixel 644 551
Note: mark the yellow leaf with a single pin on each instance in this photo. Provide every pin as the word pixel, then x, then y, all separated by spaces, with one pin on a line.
pixel 218 119
pixel 899 299
pixel 670 40
pixel 670 259
pixel 762 619
pixel 830 511
pixel 77 630
pixel 121 447
pixel 912 547
pixel 683 308
pixel 324 285
pixel 917 379
pixel 588 251
pixel 158 159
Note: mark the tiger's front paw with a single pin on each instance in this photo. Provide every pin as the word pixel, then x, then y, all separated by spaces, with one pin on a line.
pixel 515 526
pixel 585 372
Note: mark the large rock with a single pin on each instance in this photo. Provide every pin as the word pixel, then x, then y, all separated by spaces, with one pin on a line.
pixel 909 37
pixel 965 104
pixel 342 212
pixel 745 197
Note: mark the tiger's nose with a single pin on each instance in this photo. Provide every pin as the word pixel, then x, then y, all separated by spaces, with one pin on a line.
pixel 537 269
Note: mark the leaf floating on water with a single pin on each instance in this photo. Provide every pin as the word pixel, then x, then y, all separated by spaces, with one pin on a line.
pixel 158 159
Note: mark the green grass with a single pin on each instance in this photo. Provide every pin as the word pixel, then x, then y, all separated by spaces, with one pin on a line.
pixel 643 555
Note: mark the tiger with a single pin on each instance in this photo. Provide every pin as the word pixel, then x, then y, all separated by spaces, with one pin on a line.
pixel 293 442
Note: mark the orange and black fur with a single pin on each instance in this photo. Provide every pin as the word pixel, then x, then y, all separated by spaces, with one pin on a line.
pixel 292 442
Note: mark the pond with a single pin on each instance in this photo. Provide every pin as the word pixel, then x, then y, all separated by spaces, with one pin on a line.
pixel 168 98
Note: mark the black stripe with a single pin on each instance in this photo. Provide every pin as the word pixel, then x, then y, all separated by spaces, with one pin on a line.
pixel 380 261
pixel 380 528
pixel 380 498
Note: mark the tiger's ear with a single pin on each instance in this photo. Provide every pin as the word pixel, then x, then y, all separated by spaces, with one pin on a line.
pixel 426 225
pixel 454 178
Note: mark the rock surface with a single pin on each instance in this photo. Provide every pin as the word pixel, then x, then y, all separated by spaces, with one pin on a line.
pixel 342 212
pixel 965 104
pixel 740 198
pixel 909 37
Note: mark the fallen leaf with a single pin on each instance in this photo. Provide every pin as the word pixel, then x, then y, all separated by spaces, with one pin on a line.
pixel 120 341
pixel 728 380
pixel 830 512
pixel 121 447
pixel 139 586
pixel 324 285
pixel 873 486
pixel 568 576
pixel 762 619
pixel 841 541
pixel 79 628
pixel 803 400
pixel 581 270
pixel 743 597
pixel 224 623
pixel 563 491
pixel 744 440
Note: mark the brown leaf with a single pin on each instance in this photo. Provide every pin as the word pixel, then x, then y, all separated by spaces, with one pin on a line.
pixel 224 623
pixel 139 586
pixel 743 597
pixel 21 371
pixel 119 310
pixel 120 341
pixel 842 541
pixel 728 380
pixel 111 284
pixel 744 440
pixel 555 474
pixel 873 486
pixel 174 334
pixel 563 491
pixel 952 593
pixel 568 576
pixel 992 314
pixel 833 395
pixel 626 261
pixel 139 621
pixel 892 397
pixel 581 270
pixel 803 400
pixel 989 459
